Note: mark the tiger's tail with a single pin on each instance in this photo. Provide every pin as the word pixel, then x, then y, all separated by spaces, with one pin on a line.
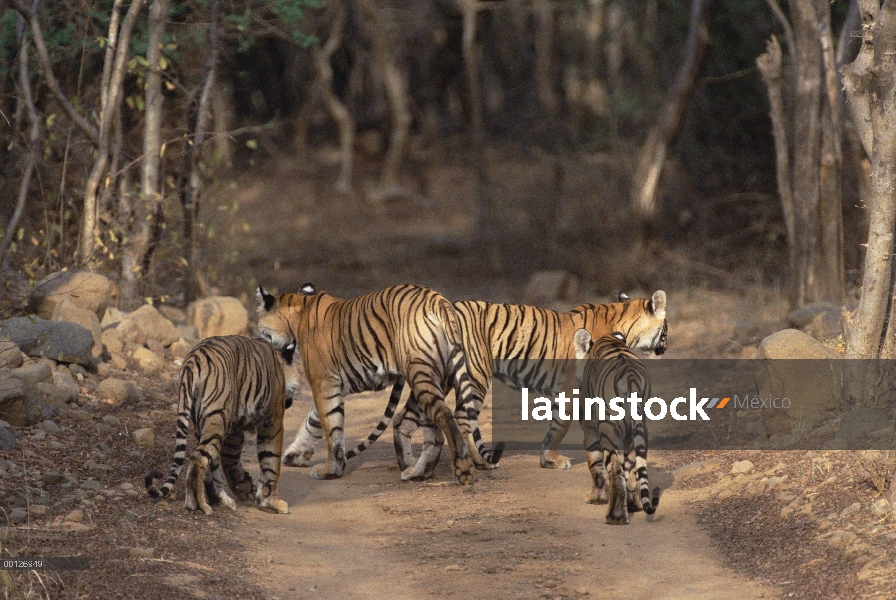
pixel 463 387
pixel 381 427
pixel 180 445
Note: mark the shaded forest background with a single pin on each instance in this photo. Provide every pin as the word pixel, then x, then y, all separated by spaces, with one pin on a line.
pixel 374 102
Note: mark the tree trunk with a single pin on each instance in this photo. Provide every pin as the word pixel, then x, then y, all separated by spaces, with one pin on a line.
pixel 871 90
pixel 652 156
pixel 148 201
pixel 469 11
pixel 544 60
pixel 336 108
pixel 397 94
pixel 113 92
pixel 26 104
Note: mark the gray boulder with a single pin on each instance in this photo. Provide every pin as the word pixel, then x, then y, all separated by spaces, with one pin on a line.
pixel 58 340
pixel 153 325
pixel 67 311
pixel 10 355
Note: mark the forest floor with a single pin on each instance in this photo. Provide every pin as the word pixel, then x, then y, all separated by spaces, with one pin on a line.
pixel 797 525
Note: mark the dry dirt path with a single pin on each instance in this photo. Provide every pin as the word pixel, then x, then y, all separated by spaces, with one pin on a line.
pixel 518 532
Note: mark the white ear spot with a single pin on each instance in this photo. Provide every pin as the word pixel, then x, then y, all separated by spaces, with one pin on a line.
pixel 308 289
pixel 582 342
pixel 619 336
pixel 622 296
pixel 658 302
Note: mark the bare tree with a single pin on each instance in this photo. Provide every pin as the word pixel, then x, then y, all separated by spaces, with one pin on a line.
pixel 150 197
pixel 652 156
pixel 808 149
pixel 26 105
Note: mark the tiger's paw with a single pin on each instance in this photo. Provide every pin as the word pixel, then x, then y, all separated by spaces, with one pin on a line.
pixel 297 458
pixel 463 470
pixel 415 472
pixel 274 505
pixel 598 495
pixel 486 466
pixel 325 471
pixel 225 500
pixel 244 490
pixel 553 460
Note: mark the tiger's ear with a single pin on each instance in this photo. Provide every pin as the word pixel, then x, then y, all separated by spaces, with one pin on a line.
pixel 308 289
pixel 288 353
pixel 583 343
pixel 622 296
pixel 267 301
pixel 619 336
pixel 658 304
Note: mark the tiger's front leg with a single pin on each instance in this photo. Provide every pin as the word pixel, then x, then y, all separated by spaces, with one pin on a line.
pixel 302 448
pixel 330 406
pixel 270 445
pixel 550 456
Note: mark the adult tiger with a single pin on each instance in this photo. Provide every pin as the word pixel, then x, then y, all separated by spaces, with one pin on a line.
pixel 509 333
pixel 403 333
pixel 617 450
pixel 229 385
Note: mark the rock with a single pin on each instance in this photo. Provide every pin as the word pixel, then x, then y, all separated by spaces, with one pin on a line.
pixel 52 477
pixel 111 339
pixel 143 437
pixel 839 537
pixel 142 552
pixel 75 516
pixel 90 484
pixel 774 482
pixel 778 424
pixel 58 397
pixel 12 401
pixel 35 372
pixel 129 332
pixel 149 360
pixel 39 509
pixel 826 326
pixel 111 420
pixel 118 362
pixel 189 333
pixel 218 315
pixel 860 422
pixel 10 355
pixel 68 312
pixel 698 468
pixel 851 509
pixel 741 466
pixel 7 440
pixel 791 343
pixel 546 286
pixel 119 391
pixel 801 317
pixel 17 516
pixel 66 384
pixel 59 340
pixel 835 444
pixel 175 315
pixel 882 507
pixel 112 318
pixel 180 348
pixel 77 414
pixel 154 325
pixel 89 291
pixel 48 426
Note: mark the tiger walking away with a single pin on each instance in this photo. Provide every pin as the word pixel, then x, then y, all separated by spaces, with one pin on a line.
pixel 616 450
pixel 230 385
pixel 403 333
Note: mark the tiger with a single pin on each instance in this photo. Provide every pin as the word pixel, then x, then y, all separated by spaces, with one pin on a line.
pixel 405 333
pixel 230 385
pixel 616 450
pixel 508 331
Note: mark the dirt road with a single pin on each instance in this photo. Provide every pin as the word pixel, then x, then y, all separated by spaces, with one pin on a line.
pixel 518 532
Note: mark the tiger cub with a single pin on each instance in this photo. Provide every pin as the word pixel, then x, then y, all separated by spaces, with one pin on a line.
pixel 230 385
pixel 617 450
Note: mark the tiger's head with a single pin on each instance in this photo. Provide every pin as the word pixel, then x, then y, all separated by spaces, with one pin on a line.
pixel 645 330
pixel 641 321
pixel 290 371
pixel 278 316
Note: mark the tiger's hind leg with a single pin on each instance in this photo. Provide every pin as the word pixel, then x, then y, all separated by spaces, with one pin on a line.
pixel 270 445
pixel 468 421
pixel 425 467
pixel 302 448
pixel 550 456
pixel 599 491
pixel 405 422
pixel 207 453
pixel 215 482
pixel 618 509
pixel 238 478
